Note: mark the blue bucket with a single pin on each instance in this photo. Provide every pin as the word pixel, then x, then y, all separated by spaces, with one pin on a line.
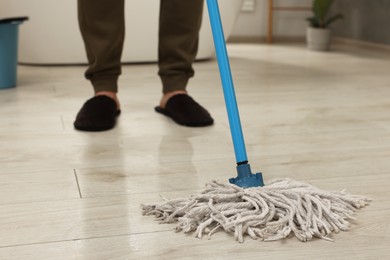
pixel 9 29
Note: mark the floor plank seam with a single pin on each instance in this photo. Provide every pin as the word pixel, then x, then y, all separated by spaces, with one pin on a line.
pixel 87 238
pixel 77 182
pixel 62 122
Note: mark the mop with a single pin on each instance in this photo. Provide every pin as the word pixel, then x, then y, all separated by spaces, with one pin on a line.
pixel 247 207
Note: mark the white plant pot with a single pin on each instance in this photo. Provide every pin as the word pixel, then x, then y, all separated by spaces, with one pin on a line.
pixel 318 39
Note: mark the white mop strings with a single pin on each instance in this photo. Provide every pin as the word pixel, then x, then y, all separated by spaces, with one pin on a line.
pixel 272 212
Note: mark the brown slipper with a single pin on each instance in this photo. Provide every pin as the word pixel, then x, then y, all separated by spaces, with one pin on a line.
pixel 185 111
pixel 97 114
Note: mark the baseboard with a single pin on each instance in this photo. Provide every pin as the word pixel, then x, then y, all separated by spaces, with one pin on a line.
pixel 245 39
pixel 302 39
pixel 360 43
pixel 263 39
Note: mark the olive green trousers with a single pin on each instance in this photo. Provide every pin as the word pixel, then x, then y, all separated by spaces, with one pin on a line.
pixel 102 25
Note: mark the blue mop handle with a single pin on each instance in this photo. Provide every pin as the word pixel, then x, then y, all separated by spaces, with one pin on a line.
pixel 227 82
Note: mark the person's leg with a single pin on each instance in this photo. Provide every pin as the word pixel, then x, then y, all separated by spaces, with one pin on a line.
pixel 180 22
pixel 102 26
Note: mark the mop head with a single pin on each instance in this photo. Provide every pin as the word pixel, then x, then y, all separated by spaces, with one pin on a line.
pixel 275 211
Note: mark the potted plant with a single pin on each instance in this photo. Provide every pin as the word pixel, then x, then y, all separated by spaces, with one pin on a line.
pixel 318 32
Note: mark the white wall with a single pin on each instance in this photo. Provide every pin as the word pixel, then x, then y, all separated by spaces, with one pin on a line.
pixel 286 23
pixel 52 36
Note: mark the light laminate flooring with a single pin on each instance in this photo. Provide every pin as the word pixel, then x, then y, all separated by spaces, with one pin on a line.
pixel 313 116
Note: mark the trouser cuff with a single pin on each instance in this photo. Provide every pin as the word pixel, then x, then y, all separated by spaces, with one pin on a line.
pixel 174 83
pixel 106 83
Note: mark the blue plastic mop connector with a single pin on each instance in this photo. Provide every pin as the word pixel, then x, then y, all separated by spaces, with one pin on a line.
pixel 246 179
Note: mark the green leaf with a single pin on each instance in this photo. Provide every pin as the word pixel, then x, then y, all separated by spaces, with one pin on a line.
pixel 313 22
pixel 320 9
pixel 333 19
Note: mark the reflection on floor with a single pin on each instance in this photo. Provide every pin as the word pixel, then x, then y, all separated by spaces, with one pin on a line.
pixel 319 117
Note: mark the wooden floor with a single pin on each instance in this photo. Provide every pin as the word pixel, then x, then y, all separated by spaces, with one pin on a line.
pixel 319 117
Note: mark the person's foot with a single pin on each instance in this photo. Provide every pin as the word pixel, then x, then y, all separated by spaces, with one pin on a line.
pixel 184 110
pixel 110 94
pixel 167 96
pixel 98 113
